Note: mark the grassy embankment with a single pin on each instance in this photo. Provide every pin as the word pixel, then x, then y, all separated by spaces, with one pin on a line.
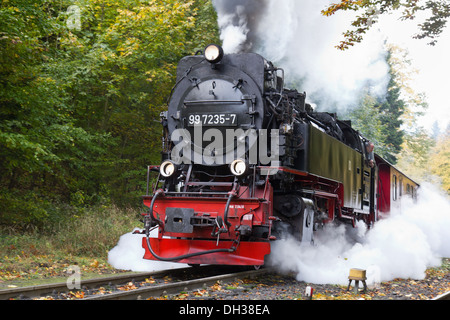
pixel 83 239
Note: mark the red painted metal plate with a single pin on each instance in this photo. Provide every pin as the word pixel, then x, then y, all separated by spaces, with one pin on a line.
pixel 247 253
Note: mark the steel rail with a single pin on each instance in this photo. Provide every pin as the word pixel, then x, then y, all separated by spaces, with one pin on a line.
pixel 445 296
pixel 177 287
pixel 49 289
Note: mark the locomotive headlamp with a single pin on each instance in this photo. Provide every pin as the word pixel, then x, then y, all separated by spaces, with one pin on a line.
pixel 167 168
pixel 214 53
pixel 239 167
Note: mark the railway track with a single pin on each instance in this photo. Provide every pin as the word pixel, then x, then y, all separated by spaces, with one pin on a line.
pixel 175 287
pixel 445 296
pixel 133 287
pixel 140 285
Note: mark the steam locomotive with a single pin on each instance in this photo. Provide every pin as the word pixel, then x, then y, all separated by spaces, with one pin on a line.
pixel 246 161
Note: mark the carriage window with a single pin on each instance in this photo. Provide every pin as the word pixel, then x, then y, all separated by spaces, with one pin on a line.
pixel 394 196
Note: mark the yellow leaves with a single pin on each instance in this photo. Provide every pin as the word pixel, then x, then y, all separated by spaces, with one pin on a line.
pixel 68 296
pixel 129 286
pixel 361 23
pixel 76 295
pixel 216 287
pixel 15 9
pixel 343 5
pixel 108 55
pixel 151 75
pixel 130 46
pixel 45 80
pixel 161 74
pixel 71 40
pixel 150 280
pixel 126 12
pixel 147 31
pixel 94 264
pixel 102 291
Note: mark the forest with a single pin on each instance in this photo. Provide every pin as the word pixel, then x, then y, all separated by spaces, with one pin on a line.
pixel 82 86
pixel 81 90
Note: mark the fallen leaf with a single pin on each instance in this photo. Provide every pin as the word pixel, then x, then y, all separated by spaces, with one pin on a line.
pixel 94 264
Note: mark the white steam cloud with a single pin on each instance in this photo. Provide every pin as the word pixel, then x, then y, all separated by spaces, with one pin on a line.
pixel 414 238
pixel 128 255
pixel 297 37
pixel 233 36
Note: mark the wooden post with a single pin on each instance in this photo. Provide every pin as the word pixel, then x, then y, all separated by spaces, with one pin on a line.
pixel 357 275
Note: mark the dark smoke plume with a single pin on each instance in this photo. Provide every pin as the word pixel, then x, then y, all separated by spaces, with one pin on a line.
pixel 239 21
pixel 295 36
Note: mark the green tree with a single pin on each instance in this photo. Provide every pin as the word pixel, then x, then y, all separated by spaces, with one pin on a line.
pixel 123 66
pixel 391 111
pixel 80 104
pixel 44 153
pixel 367 120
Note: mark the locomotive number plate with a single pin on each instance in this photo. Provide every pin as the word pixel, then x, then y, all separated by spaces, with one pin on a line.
pixel 213 119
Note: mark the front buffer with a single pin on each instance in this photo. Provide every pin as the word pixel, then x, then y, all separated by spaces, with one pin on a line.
pixel 206 251
pixel 228 230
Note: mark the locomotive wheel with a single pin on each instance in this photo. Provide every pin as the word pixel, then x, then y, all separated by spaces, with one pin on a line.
pixel 297 217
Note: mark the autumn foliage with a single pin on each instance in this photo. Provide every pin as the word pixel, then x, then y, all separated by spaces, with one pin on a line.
pixel 81 89
pixel 370 10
